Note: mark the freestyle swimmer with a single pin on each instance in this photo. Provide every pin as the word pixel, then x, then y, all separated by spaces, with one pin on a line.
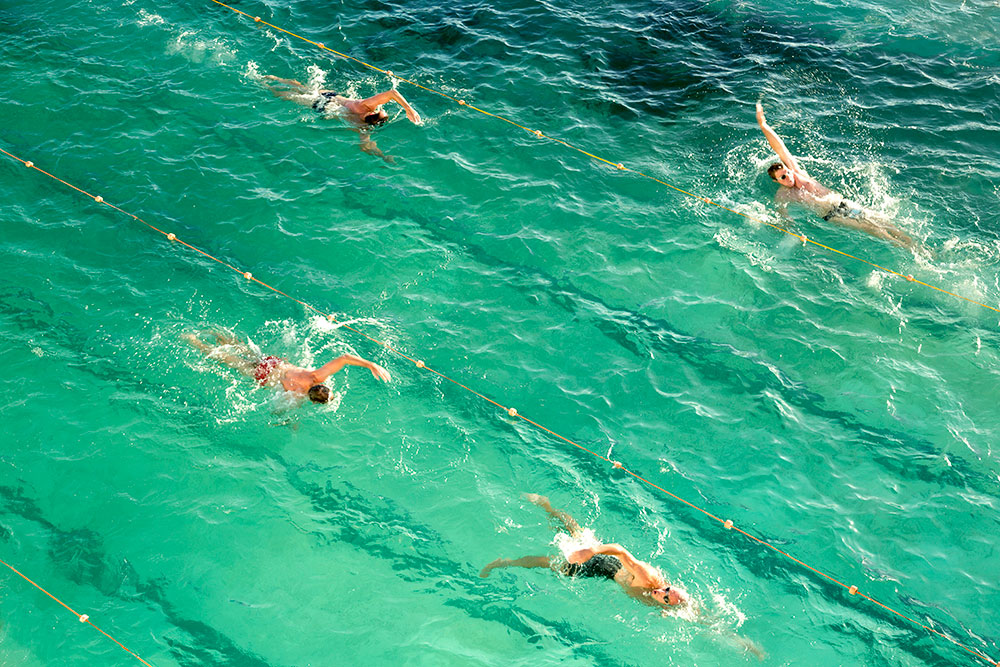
pixel 799 187
pixel 638 579
pixel 270 371
pixel 365 114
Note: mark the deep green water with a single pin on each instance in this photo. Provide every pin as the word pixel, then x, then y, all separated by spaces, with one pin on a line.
pixel 846 416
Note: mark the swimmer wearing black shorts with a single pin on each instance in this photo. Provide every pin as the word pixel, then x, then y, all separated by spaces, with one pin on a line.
pixel 845 208
pixel 325 97
pixel 800 187
pixel 597 567
pixel 365 114
pixel 638 579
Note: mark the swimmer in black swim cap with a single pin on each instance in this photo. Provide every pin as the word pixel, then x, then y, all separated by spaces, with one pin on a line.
pixel 365 114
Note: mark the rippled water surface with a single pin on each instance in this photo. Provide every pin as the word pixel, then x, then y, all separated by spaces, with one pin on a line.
pixel 841 413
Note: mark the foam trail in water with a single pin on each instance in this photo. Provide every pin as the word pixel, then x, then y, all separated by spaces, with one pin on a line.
pixel 567 543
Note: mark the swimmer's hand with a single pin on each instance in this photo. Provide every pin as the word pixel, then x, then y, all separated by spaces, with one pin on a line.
pixel 760 115
pixel 380 373
pixel 413 116
pixel 581 556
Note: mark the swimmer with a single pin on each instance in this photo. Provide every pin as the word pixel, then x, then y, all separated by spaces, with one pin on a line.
pixel 638 579
pixel 799 187
pixel 270 371
pixel 365 114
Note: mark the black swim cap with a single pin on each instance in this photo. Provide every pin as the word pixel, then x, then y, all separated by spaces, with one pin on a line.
pixel 319 393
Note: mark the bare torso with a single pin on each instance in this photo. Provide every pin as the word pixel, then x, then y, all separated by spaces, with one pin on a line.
pixel 810 194
pixel 291 378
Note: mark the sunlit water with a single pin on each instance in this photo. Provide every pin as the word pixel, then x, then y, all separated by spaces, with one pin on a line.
pixel 845 415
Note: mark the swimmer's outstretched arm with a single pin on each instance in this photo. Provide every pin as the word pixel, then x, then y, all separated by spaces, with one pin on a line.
pixel 329 368
pixel 393 95
pixel 646 576
pixel 777 144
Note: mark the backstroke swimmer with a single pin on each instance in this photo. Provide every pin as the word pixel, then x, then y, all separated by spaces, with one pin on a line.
pixel 365 114
pixel 638 579
pixel 799 187
pixel 270 371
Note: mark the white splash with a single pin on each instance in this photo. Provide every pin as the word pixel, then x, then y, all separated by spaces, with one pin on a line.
pixel 567 543
pixel 252 71
pixel 188 45
pixel 145 18
pixel 317 77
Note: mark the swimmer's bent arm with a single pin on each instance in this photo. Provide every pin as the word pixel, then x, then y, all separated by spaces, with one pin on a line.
pixel 393 95
pixel 777 144
pixel 645 575
pixel 368 145
pixel 331 367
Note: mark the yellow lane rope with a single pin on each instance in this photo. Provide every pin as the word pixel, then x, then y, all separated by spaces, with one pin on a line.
pixel 618 165
pixel 511 411
pixel 84 618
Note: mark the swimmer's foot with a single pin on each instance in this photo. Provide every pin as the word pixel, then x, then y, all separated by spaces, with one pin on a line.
pixel 499 562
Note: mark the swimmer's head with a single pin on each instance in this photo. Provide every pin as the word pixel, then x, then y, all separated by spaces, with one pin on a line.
pixel 376 117
pixel 781 175
pixel 669 596
pixel 319 393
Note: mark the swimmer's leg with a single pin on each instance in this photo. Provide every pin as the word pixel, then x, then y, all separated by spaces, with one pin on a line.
pixel 713 624
pixel 239 362
pixel 901 237
pixel 525 561
pixel 867 226
pixel 293 92
pixel 195 342
pixel 568 522
pixel 878 226
pixel 886 229
pixel 287 82
pixel 226 339
pixel 887 232
pixel 744 644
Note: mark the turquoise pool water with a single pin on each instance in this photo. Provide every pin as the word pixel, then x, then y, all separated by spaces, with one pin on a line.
pixel 844 415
